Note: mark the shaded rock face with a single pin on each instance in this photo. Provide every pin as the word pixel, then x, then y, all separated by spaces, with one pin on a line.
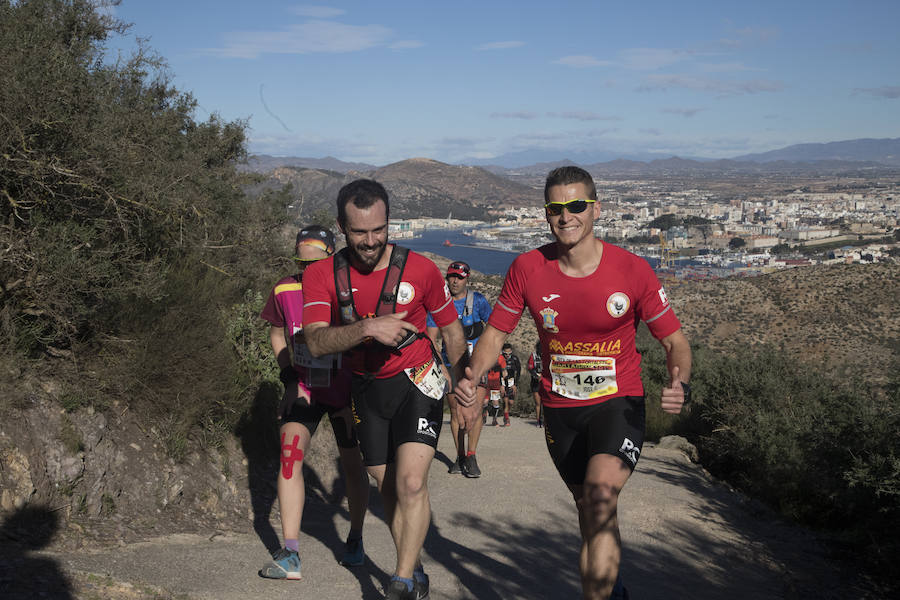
pixel 107 476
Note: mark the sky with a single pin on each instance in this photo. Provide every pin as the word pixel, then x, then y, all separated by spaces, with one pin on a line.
pixel 381 81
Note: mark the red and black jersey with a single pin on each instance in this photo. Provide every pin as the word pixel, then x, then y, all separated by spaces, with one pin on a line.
pixel 421 290
pixel 587 325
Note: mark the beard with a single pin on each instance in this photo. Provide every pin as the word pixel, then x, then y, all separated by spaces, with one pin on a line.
pixel 368 262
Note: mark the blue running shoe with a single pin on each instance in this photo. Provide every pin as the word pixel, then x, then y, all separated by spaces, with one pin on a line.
pixel 397 590
pixel 285 565
pixel 354 555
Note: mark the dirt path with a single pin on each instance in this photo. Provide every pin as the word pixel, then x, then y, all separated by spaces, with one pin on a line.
pixel 510 534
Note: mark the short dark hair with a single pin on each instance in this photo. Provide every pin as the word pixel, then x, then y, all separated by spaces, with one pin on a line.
pixel 507 345
pixel 363 193
pixel 567 176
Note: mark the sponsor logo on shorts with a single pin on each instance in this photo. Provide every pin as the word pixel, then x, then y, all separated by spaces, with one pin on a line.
pixel 549 315
pixel 617 304
pixel 592 348
pixel 405 293
pixel 550 298
pixel 630 451
pixel 356 419
pixel 426 427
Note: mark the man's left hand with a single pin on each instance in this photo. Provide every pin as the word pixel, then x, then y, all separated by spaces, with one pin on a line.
pixel 673 396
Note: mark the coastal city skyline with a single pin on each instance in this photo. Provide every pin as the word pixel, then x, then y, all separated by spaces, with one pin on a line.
pixel 380 82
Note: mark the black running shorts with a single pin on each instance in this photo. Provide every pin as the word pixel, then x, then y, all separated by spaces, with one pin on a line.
pixel 574 435
pixel 310 416
pixel 392 411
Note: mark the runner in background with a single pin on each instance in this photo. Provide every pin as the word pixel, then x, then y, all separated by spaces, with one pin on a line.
pixel 510 380
pixel 473 310
pixel 534 369
pixel 591 385
pixel 312 389
pixel 491 387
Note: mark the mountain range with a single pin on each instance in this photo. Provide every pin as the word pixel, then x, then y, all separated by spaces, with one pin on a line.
pixel 844 156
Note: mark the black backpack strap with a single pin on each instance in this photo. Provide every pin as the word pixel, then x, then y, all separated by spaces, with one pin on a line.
pixel 387 302
pixel 343 287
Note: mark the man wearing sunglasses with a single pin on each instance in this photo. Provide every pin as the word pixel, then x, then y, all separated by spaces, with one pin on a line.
pixel 586 298
pixel 313 387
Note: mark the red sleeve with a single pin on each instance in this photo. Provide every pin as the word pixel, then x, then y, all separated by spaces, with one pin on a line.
pixel 508 309
pixel 272 312
pixel 531 362
pixel 653 306
pixel 318 285
pixel 438 301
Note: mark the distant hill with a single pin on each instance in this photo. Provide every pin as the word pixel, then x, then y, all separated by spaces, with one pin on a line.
pixel 418 187
pixel 844 315
pixel 884 151
pixel 263 163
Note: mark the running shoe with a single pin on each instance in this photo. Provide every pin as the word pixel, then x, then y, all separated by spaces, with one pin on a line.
pixel 396 590
pixel 457 466
pixel 285 564
pixel 470 469
pixel 506 422
pixel 421 587
pixel 494 423
pixel 354 555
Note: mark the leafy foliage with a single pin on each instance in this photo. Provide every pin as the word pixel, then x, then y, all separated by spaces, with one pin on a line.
pixel 822 451
pixel 126 234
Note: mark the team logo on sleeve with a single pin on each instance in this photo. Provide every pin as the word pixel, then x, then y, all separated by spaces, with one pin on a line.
pixel 405 293
pixel 662 297
pixel 549 315
pixel 446 292
pixel 617 304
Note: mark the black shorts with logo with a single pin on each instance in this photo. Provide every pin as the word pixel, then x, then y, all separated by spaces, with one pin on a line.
pixel 310 415
pixel 575 434
pixel 392 411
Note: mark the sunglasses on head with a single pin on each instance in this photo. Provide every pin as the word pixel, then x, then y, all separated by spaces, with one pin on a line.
pixel 573 206
pixel 306 261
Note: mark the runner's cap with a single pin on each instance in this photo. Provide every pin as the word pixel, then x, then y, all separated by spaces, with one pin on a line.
pixel 458 268
pixel 318 236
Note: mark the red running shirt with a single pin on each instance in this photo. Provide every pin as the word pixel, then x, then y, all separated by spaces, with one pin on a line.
pixel 422 289
pixel 587 325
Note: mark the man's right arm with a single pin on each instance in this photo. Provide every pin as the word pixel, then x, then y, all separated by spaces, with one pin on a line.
pixel 323 338
pixel 483 358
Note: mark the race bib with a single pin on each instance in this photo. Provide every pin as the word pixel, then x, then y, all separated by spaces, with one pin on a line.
pixel 318 370
pixel 495 395
pixel 583 377
pixel 429 379
pixel 470 346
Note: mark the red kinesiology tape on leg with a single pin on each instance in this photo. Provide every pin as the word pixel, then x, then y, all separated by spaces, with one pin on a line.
pixel 290 454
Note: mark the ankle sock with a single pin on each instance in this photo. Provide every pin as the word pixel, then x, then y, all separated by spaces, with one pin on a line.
pixel 292 545
pixel 470 453
pixel 408 582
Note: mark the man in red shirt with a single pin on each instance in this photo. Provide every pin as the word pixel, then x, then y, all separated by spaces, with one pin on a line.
pixel 351 305
pixel 590 383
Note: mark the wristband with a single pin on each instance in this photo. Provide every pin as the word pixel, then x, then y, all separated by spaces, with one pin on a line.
pixel 288 375
pixel 687 393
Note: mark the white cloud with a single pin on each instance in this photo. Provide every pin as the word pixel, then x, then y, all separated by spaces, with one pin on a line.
pixel 582 61
pixel 651 58
pixel 304 38
pixel 514 115
pixel 500 45
pixel 730 67
pixel 684 112
pixel 885 91
pixel 583 116
pixel 406 44
pixel 705 84
pixel 317 12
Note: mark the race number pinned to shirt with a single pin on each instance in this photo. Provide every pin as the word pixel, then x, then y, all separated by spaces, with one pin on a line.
pixel 318 370
pixel 583 377
pixel 428 378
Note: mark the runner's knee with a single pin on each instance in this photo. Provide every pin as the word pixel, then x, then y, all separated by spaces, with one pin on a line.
pixel 291 454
